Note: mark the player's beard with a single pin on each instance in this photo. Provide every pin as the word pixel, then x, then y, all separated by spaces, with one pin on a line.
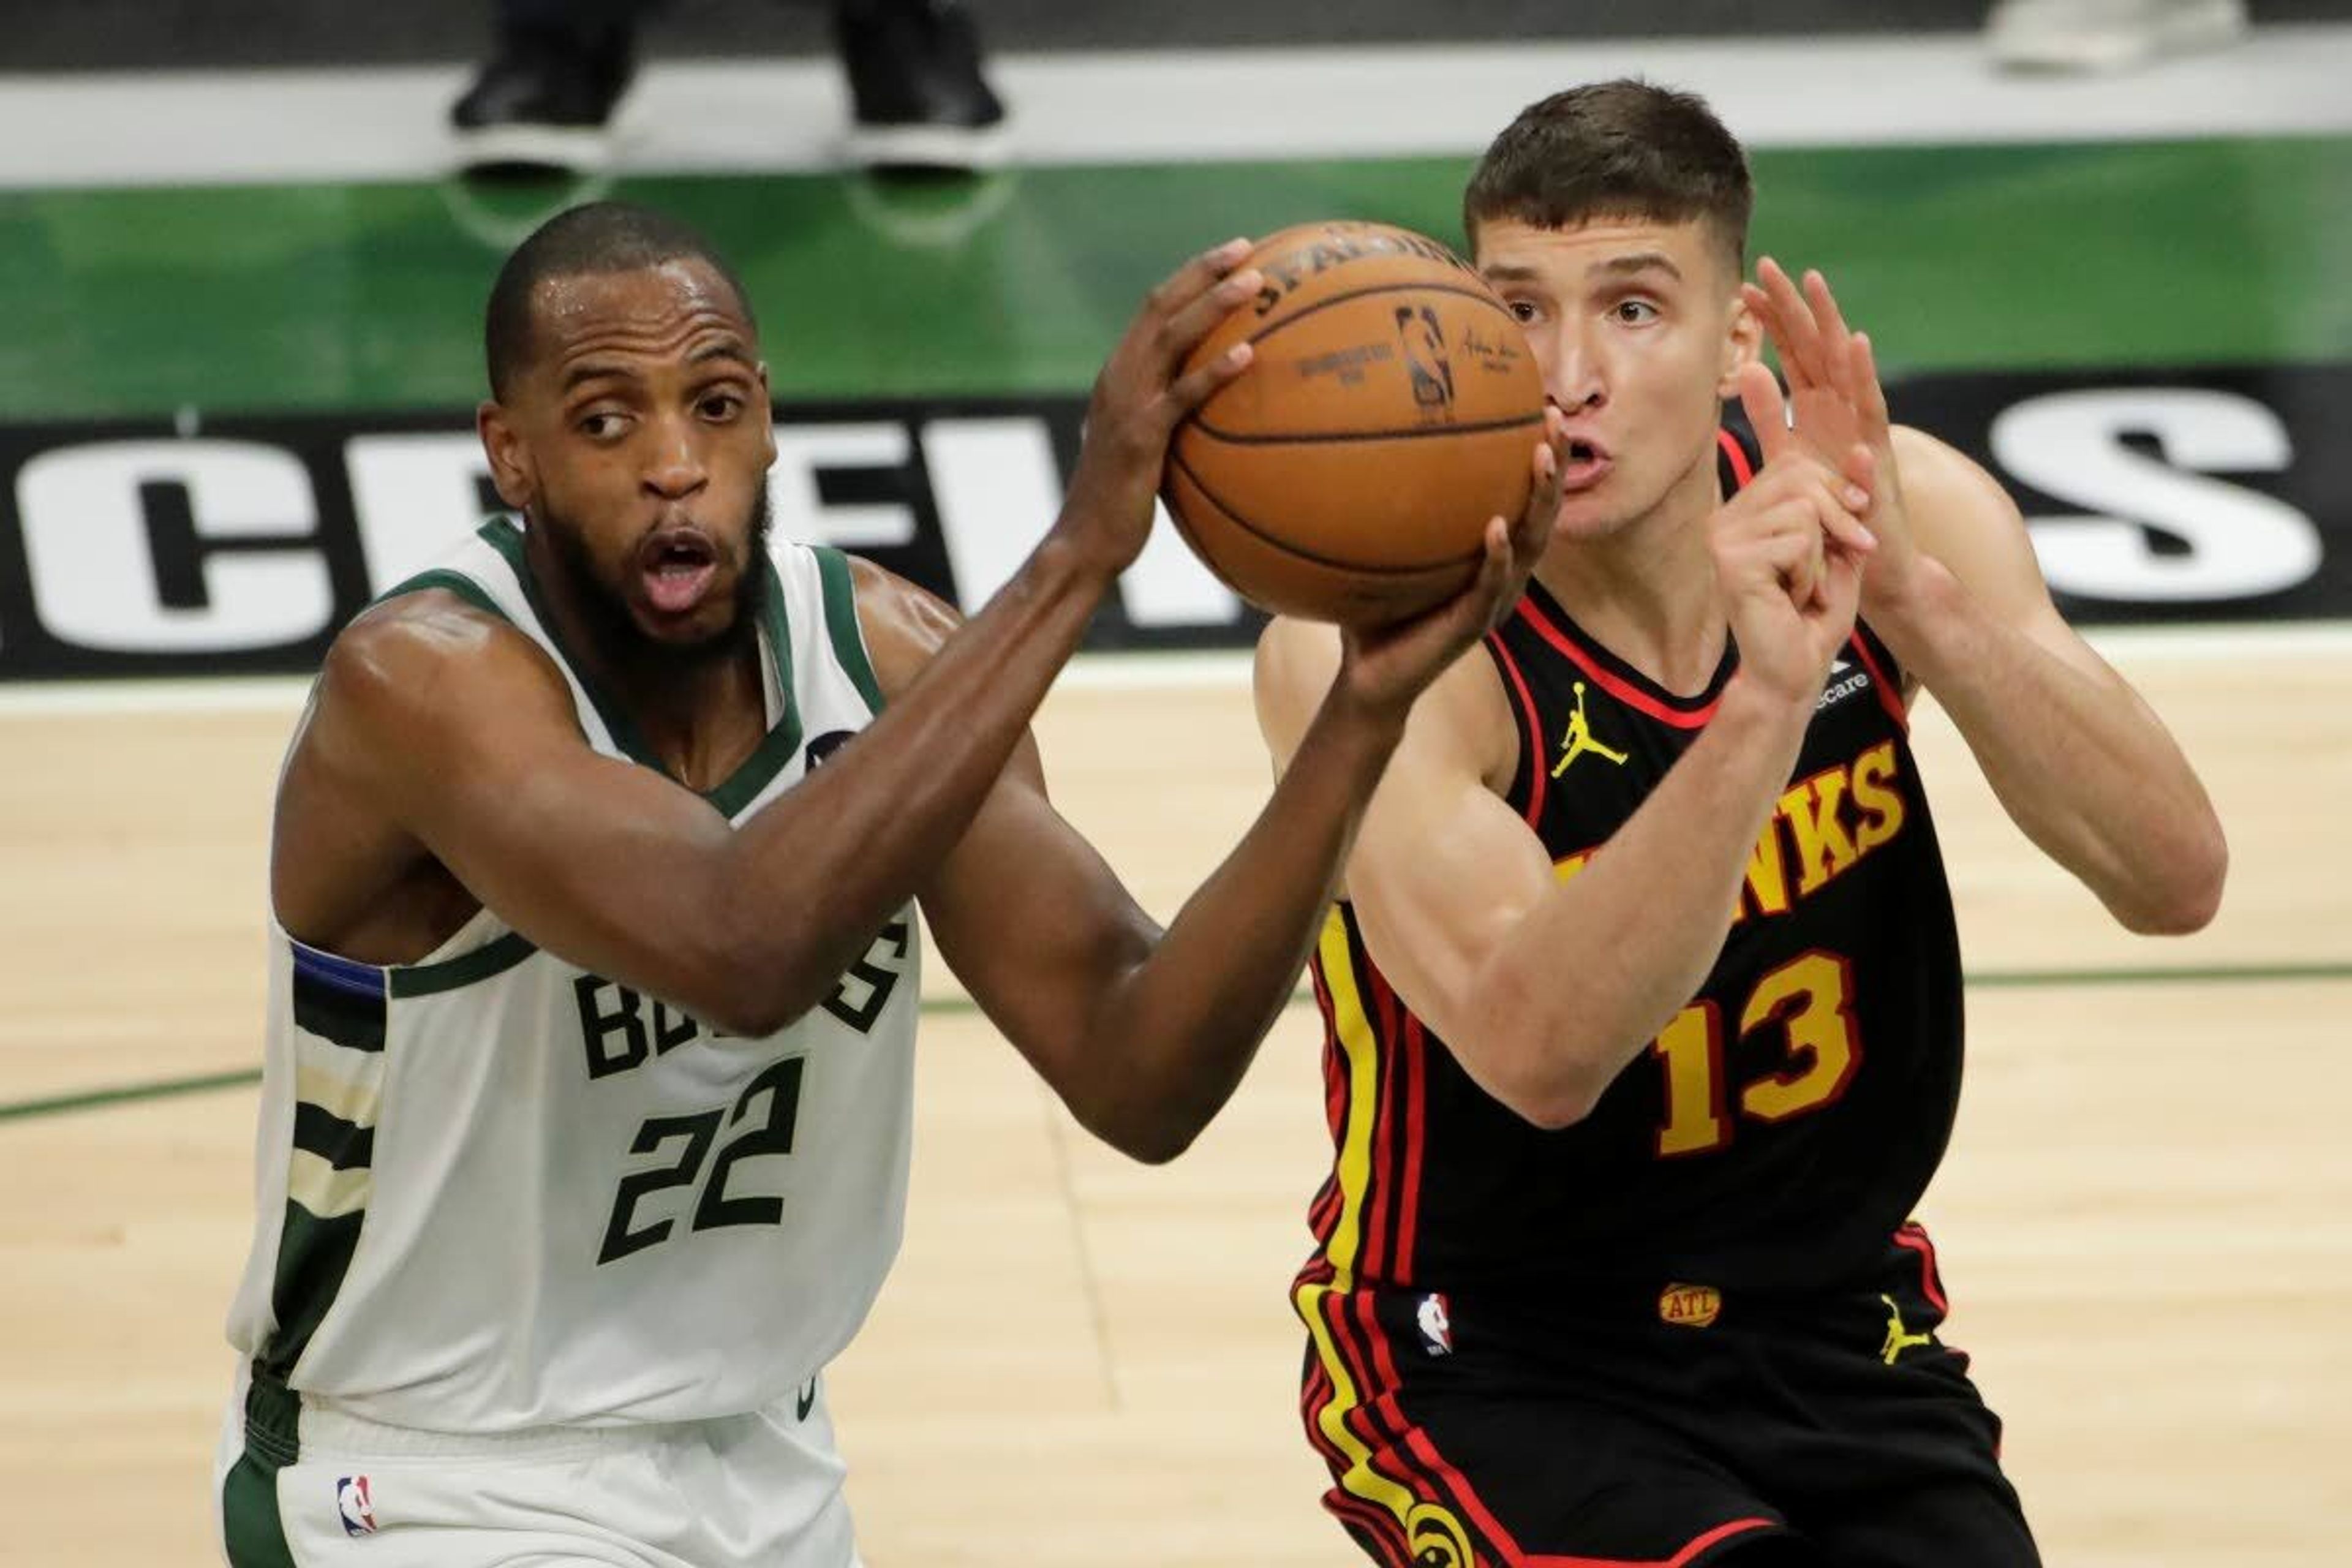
pixel 613 628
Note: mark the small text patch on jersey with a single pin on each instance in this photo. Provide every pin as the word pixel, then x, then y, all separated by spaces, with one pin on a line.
pixel 1844 681
pixel 1690 1306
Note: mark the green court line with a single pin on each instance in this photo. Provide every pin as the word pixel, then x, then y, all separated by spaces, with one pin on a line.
pixel 949 1006
pixel 129 1094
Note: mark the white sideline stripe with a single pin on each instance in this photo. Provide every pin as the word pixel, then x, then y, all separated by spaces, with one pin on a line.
pixel 1212 669
pixel 240 127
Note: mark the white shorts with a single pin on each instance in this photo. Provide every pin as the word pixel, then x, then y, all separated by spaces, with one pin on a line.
pixel 762 1490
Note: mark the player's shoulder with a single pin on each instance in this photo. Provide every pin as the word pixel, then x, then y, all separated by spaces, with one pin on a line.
pixel 1463 717
pixel 904 623
pixel 1947 491
pixel 425 654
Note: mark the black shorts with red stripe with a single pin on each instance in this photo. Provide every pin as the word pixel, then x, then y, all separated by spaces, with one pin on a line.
pixel 1668 1427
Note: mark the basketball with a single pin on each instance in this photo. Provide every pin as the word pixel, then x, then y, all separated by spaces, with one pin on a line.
pixel 1391 407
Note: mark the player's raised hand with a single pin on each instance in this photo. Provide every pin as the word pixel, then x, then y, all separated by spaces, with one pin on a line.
pixel 1140 395
pixel 1789 552
pixel 1386 666
pixel 1840 405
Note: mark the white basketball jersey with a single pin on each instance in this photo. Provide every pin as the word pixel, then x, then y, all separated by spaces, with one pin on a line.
pixel 496 1191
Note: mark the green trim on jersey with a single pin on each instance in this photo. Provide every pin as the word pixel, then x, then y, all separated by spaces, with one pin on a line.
pixel 501 535
pixel 313 1256
pixel 456 582
pixel 748 779
pixel 251 1526
pixel 449 974
pixel 783 742
pixel 841 624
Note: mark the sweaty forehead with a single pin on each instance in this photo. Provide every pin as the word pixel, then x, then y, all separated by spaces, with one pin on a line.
pixel 661 310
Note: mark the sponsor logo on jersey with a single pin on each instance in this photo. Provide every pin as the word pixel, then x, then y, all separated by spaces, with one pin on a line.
pixel 1842 685
pixel 1437 1325
pixel 1578 740
pixel 1690 1306
pixel 356 1505
pixel 1897 1341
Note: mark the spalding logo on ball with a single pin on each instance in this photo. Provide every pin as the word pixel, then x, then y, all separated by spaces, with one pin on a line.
pixel 1390 409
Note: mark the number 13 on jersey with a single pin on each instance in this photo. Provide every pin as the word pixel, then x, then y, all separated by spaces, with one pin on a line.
pixel 1810 998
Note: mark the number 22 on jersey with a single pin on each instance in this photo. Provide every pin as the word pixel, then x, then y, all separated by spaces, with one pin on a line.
pixel 1810 998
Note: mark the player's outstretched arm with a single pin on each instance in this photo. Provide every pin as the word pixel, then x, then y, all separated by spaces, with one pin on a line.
pixel 2076 756
pixel 1144 1032
pixel 2077 759
pixel 1544 989
pixel 438 728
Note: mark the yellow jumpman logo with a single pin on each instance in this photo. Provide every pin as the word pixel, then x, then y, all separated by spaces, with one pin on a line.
pixel 1897 1341
pixel 1580 739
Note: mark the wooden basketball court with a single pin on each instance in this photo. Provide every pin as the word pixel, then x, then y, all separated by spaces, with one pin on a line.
pixel 2145 1219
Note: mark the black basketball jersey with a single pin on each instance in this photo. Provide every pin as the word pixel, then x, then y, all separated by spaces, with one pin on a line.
pixel 1779 1129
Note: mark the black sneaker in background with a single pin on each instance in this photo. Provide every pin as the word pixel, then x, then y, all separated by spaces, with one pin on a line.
pixel 918 101
pixel 544 101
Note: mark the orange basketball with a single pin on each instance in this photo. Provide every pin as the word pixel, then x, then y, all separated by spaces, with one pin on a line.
pixel 1392 408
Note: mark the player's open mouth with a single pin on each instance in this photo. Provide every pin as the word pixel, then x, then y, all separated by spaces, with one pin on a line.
pixel 678 564
pixel 1587 465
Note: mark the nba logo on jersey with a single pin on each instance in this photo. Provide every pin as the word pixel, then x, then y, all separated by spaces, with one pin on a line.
pixel 352 1500
pixel 1436 1328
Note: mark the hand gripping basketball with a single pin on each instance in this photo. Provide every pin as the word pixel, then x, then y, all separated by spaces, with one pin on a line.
pixel 1144 388
pixel 1386 417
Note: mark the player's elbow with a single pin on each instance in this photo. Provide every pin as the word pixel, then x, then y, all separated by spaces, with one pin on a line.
pixel 2187 898
pixel 747 1010
pixel 1149 1135
pixel 754 994
pixel 1531 1066
pixel 1553 1104
pixel 1154 1145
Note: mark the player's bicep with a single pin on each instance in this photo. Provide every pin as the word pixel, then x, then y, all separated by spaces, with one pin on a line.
pixel 1442 873
pixel 461 734
pixel 1441 870
pixel 1962 517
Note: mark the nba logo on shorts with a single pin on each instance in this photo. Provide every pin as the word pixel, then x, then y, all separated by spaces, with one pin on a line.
pixel 352 1500
pixel 1436 1327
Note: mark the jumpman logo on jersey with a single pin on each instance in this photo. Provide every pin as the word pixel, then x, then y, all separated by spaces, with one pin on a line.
pixel 1897 1341
pixel 1580 739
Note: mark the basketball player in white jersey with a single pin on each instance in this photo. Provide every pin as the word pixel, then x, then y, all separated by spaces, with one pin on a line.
pixel 584 1124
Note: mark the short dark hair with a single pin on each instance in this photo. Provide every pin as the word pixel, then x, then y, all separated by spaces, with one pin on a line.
pixel 591 241
pixel 1615 149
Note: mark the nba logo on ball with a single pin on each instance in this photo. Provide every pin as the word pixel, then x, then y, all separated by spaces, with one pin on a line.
pixel 1390 408
pixel 352 1500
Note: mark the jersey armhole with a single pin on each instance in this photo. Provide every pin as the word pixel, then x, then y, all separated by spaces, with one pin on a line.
pixel 1886 672
pixel 842 625
pixel 1525 793
pixel 1737 457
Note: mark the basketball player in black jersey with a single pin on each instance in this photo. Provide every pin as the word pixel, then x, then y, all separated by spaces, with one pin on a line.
pixel 1643 1000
